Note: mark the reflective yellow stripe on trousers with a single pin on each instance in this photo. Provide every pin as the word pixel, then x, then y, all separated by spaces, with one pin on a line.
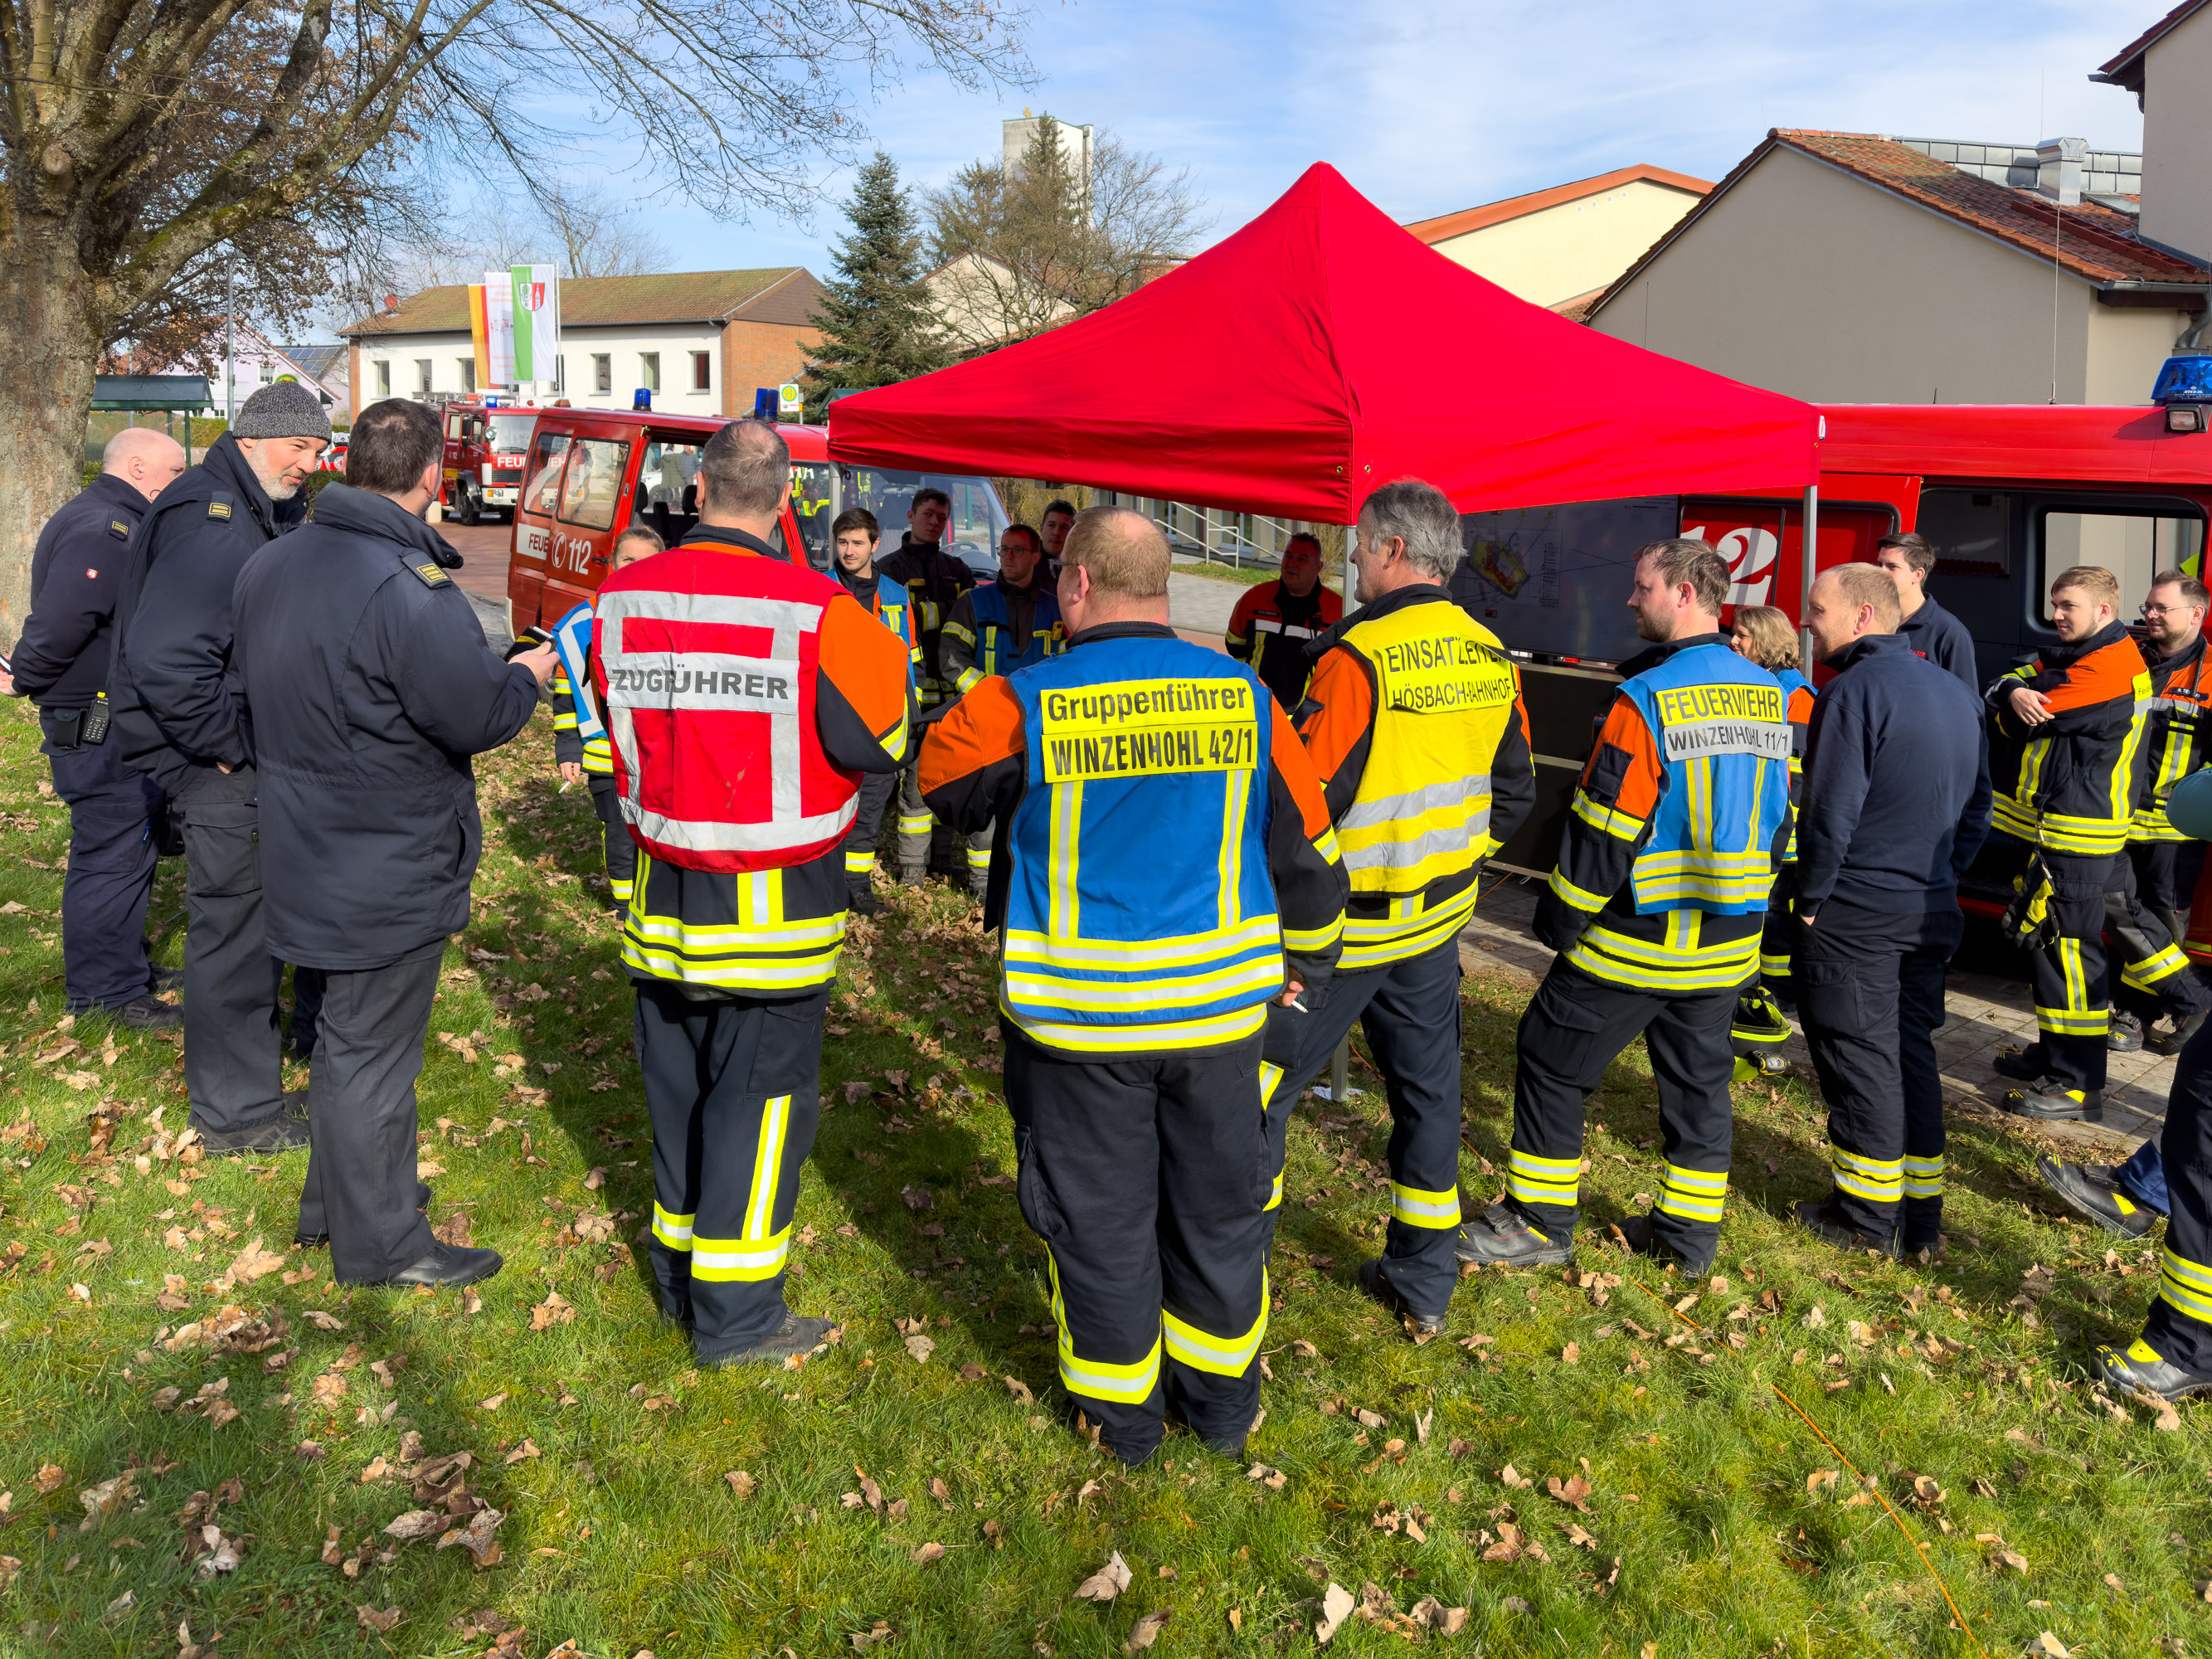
pixel 757 1252
pixel 1100 1379
pixel 1224 1355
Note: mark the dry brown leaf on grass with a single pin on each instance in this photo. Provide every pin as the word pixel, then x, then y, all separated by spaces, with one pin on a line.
pixel 49 1478
pixel 927 1552
pixel 1272 1479
pixel 555 1310
pixel 875 1636
pixel 1109 1582
pixel 218 1552
pixel 1147 1630
pixel 454 1229
pixel 1820 1478
pixel 476 1537
pixel 1576 1536
pixel 1303 1349
pixel 415 1523
pixel 2047 1646
pixel 527 1449
pixel 742 1483
pixel 371 1620
pixel 1433 1616
pixel 1336 1606
pixel 919 1348
pixel 492 1404
pixel 1575 1492
pixel 253 1263
pixel 1020 1390
pixel 323 1321
pixel 1513 1478
pixel 103 1500
pixel 2002 1556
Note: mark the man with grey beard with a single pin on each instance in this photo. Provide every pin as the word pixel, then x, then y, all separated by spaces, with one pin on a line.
pixel 179 719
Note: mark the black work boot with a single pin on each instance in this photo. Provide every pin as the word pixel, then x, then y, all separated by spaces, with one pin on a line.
pixel 141 1013
pixel 2093 1190
pixel 280 1132
pixel 2125 1035
pixel 1920 1226
pixel 794 1337
pixel 2029 1065
pixel 1502 1235
pixel 1372 1280
pixel 2050 1099
pixel 910 875
pixel 449 1266
pixel 1641 1234
pixel 2141 1370
pixel 860 895
pixel 1824 1222
pixel 2166 1038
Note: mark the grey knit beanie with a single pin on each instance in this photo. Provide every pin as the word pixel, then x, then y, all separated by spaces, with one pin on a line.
pixel 286 410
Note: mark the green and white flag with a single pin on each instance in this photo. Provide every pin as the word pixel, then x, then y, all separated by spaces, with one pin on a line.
pixel 536 290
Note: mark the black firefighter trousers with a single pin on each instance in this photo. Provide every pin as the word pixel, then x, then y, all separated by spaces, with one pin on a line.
pixel 234 1065
pixel 732 1084
pixel 1410 1011
pixel 2179 1327
pixel 1576 1026
pixel 361 1187
pixel 1870 992
pixel 1147 1178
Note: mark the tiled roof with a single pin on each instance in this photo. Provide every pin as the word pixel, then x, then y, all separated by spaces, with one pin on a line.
pixel 2094 242
pixel 686 296
pixel 1443 229
pixel 2125 68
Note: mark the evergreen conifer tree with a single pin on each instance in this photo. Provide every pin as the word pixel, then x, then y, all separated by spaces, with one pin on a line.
pixel 876 323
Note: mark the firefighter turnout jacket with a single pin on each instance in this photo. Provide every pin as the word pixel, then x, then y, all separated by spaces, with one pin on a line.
pixel 579 736
pixel 2175 739
pixel 2069 786
pixel 994 629
pixel 1414 721
pixel 888 603
pixel 1271 629
pixel 933 580
pixel 1678 826
pixel 1798 696
pixel 1167 843
pixel 744 695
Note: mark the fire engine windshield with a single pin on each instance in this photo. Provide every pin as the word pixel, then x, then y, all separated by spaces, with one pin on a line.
pixel 977 514
pixel 510 434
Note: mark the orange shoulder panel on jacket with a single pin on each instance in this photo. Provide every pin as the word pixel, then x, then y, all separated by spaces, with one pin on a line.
pixel 1297 767
pixel 1332 606
pixel 1800 705
pixel 2105 675
pixel 1625 729
pixel 866 661
pixel 984 727
pixel 1340 685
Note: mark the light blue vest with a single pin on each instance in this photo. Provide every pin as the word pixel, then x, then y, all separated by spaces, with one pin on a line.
pixel 1721 725
pixel 1141 917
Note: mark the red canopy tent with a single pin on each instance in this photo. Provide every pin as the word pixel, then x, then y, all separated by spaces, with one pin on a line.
pixel 1316 354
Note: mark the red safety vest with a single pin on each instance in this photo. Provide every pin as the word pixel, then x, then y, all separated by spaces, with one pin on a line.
pixel 707 660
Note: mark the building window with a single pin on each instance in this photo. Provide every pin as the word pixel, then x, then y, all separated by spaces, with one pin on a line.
pixel 648 370
pixel 603 372
pixel 383 379
pixel 268 372
pixel 422 377
pixel 468 375
pixel 702 374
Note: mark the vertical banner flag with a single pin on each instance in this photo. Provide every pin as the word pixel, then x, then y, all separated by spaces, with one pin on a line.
pixel 537 291
pixel 480 335
pixel 499 326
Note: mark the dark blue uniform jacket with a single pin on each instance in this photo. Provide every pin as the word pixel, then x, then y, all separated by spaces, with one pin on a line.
pixel 1935 634
pixel 77 571
pixel 370 685
pixel 175 705
pixel 1895 801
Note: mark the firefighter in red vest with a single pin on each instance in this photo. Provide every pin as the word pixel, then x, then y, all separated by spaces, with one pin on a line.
pixel 744 698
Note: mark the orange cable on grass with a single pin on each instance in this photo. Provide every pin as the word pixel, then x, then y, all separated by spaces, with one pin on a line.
pixel 1919 1549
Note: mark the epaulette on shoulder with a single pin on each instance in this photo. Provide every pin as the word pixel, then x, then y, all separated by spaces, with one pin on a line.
pixel 119 528
pixel 430 573
pixel 219 504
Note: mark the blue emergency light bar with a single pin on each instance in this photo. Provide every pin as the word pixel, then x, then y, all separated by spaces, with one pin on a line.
pixel 765 402
pixel 641 398
pixel 2185 386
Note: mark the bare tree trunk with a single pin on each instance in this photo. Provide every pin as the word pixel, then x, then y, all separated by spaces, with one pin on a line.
pixel 50 338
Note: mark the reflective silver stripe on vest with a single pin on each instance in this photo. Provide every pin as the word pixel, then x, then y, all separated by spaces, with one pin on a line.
pixel 716 681
pixel 1414 803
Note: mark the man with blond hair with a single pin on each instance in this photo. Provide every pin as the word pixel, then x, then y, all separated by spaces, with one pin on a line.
pixel 2066 752
pixel 1168 871
pixel 1894 807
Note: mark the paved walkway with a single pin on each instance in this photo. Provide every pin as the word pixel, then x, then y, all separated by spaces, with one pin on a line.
pixel 1989 1012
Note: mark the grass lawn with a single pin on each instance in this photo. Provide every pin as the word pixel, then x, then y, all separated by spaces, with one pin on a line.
pixel 268 1430
pixel 1249 576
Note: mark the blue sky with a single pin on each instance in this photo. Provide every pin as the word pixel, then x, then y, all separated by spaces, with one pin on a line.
pixel 1429 107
